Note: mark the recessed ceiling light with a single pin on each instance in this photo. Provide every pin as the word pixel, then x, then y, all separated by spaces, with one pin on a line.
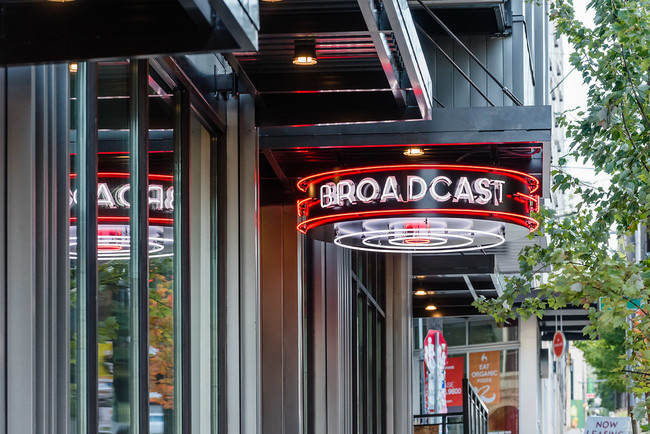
pixel 430 307
pixel 413 152
pixel 304 52
pixel 420 292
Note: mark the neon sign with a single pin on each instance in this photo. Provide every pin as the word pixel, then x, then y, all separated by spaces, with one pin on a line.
pixel 419 208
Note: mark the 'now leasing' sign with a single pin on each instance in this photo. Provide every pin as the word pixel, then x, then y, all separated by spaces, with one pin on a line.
pixel 608 425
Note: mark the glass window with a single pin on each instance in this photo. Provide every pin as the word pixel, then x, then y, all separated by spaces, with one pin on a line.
pixel 455 331
pixel 421 327
pixel 493 373
pixel 487 331
pixel 126 323
pixel 370 358
pixel 77 371
pixel 504 414
pixel 162 257
pixel 115 323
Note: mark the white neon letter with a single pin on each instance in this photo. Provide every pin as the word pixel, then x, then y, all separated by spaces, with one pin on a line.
pixel 498 191
pixel 156 196
pixel 169 198
pixel 327 195
pixel 390 190
pixel 345 191
pixel 463 191
pixel 482 188
pixel 73 197
pixel 432 188
pixel 104 196
pixel 410 182
pixel 120 193
pixel 363 185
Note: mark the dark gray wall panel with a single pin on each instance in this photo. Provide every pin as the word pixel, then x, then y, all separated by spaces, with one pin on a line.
pixel 281 331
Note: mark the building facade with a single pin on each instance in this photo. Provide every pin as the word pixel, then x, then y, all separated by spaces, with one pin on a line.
pixel 158 274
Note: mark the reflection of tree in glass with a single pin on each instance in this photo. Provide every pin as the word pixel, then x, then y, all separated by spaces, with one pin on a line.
pixel 74 380
pixel 161 332
pixel 113 297
pixel 114 336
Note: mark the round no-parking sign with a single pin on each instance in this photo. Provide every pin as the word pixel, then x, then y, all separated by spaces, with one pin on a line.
pixel 559 344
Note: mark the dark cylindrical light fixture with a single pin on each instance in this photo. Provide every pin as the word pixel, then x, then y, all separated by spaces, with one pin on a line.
pixel 304 52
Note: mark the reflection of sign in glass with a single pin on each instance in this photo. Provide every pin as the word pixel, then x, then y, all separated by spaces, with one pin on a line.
pixel 114 197
pixel 454 381
pixel 485 375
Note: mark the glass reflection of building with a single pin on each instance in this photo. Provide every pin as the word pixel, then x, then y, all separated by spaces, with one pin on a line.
pixel 476 336
pixel 165 288
pixel 136 173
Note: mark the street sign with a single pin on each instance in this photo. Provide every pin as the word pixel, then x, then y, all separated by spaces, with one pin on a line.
pixel 559 344
pixel 608 425
pixel 633 304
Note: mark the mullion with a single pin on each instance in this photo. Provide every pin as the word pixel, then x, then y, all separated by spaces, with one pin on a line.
pixel 370 367
pixel 182 379
pixel 217 280
pixel 139 228
pixel 87 248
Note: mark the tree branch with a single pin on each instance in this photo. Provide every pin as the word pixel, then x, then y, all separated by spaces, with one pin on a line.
pixel 634 92
pixel 636 372
pixel 629 137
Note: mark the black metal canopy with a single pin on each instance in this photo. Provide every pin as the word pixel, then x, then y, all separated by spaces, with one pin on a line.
pixel 40 31
pixel 370 64
pixel 366 69
pixel 465 17
pixel 510 137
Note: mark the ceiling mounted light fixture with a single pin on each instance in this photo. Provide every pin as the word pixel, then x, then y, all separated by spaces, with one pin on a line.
pixel 420 292
pixel 74 67
pixel 304 52
pixel 430 307
pixel 413 152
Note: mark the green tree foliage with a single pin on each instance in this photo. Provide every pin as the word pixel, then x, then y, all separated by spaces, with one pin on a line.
pixel 605 355
pixel 612 134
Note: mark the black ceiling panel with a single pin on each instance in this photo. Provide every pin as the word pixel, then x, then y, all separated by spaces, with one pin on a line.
pixel 47 31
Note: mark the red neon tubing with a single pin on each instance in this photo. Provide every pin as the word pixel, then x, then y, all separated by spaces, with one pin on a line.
pixel 304 183
pixel 315 222
pixel 156 177
pixel 159 220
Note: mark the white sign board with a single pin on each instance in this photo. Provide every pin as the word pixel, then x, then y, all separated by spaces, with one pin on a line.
pixel 608 425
